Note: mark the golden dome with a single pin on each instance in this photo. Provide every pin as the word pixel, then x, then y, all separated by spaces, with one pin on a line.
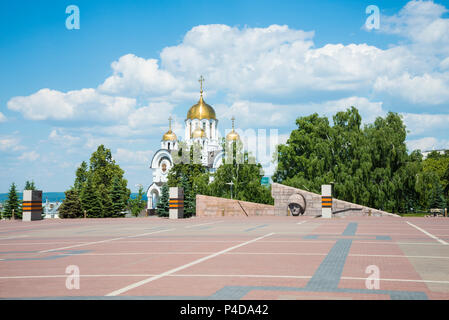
pixel 201 110
pixel 198 133
pixel 232 136
pixel 169 136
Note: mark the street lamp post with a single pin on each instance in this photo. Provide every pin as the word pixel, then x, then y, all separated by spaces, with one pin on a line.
pixel 231 184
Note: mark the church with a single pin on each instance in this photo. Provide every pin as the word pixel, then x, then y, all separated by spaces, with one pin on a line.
pixel 201 127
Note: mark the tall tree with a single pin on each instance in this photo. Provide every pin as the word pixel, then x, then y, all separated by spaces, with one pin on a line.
pixel 163 204
pixel 12 203
pixel 91 200
pixel 368 166
pixel 71 206
pixel 81 177
pixel 29 185
pixel 104 178
pixel 189 197
pixel 106 201
pixel 437 201
pixel 117 196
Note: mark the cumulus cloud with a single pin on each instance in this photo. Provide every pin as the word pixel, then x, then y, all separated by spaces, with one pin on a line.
pixel 29 156
pixel 84 104
pixel 126 156
pixel 249 113
pixel 67 140
pixel 154 113
pixel 10 144
pixel 2 117
pixel 422 23
pixel 266 77
pixel 134 75
pixel 423 123
pixel 425 89
pixel 427 144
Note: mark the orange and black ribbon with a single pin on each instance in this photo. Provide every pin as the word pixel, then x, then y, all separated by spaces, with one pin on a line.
pixel 326 202
pixel 32 205
pixel 176 203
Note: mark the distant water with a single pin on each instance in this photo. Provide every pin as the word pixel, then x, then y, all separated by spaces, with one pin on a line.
pixel 55 196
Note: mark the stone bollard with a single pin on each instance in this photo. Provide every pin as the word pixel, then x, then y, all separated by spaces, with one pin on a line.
pixel 32 205
pixel 176 203
pixel 326 201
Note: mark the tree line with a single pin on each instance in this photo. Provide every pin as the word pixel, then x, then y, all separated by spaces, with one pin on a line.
pixel 100 190
pixel 366 164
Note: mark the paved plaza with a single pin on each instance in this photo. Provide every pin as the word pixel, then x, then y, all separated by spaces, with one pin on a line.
pixel 226 258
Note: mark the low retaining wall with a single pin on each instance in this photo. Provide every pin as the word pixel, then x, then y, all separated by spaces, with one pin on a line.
pixel 207 206
pixel 283 195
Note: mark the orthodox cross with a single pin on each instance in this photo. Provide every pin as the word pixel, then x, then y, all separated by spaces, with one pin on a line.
pixel 201 83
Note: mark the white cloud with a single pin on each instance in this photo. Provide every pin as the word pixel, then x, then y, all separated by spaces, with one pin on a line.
pixel 58 136
pixel 421 22
pixel 29 156
pixel 134 75
pixel 154 113
pixel 425 89
pixel 10 144
pixel 84 104
pixel 422 123
pixel 2 117
pixel 125 156
pixel 427 143
pixel 259 114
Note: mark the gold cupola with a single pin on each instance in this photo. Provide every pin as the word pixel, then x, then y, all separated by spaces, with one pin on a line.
pixel 233 135
pixel 198 133
pixel 169 135
pixel 201 110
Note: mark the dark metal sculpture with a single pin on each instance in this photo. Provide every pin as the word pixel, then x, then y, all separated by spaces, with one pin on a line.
pixel 297 204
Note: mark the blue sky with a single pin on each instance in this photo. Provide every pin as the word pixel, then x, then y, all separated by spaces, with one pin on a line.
pixel 133 63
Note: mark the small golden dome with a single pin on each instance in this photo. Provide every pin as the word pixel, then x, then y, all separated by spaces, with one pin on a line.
pixel 232 136
pixel 198 133
pixel 201 110
pixel 169 136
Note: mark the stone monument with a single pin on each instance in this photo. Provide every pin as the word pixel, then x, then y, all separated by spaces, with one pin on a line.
pixel 32 205
pixel 176 203
pixel 326 201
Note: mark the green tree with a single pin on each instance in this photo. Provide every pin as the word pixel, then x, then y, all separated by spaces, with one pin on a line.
pixel 189 197
pixel 117 196
pixel 163 204
pixel 437 201
pixel 81 177
pixel 91 200
pixel 104 178
pixel 71 206
pixel 369 166
pixel 106 201
pixel 12 203
pixel 246 183
pixel 29 185
pixel 137 204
